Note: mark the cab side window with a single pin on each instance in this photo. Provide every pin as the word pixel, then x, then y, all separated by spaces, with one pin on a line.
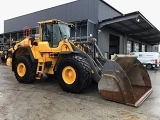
pixel 46 33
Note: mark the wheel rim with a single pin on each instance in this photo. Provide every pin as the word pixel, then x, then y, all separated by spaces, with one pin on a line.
pixel 69 75
pixel 21 69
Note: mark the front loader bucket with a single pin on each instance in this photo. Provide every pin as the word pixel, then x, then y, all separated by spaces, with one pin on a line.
pixel 125 80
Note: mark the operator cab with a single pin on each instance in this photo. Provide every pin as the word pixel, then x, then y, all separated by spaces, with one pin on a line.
pixel 54 31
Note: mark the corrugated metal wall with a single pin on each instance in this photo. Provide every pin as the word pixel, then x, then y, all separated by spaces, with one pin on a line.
pixel 74 11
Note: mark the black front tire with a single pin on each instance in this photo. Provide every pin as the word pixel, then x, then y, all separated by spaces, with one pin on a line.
pixel 29 76
pixel 83 74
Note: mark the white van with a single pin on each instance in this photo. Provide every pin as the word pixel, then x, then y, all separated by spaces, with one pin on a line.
pixel 149 59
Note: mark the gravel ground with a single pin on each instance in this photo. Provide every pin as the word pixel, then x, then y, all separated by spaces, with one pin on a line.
pixel 44 100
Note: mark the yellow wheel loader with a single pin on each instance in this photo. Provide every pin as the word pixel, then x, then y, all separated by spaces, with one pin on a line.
pixel 7 51
pixel 4 46
pixel 77 63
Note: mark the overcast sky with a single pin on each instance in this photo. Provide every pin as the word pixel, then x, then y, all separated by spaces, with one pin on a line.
pixel 14 8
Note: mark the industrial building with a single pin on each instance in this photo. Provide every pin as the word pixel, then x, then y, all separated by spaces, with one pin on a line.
pixel 115 32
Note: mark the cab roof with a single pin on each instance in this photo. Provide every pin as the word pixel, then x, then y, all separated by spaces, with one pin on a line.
pixel 54 21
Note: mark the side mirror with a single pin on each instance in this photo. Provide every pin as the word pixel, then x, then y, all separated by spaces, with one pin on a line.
pixel 36 36
pixel 33 38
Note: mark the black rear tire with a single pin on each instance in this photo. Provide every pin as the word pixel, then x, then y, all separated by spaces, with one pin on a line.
pixel 29 71
pixel 83 74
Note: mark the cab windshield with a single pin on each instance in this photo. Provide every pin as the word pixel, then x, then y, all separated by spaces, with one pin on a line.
pixel 53 33
pixel 65 30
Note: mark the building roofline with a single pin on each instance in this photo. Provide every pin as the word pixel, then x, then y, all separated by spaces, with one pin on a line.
pixel 43 9
pixel 129 14
pixel 135 25
pixel 111 6
pixel 140 14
